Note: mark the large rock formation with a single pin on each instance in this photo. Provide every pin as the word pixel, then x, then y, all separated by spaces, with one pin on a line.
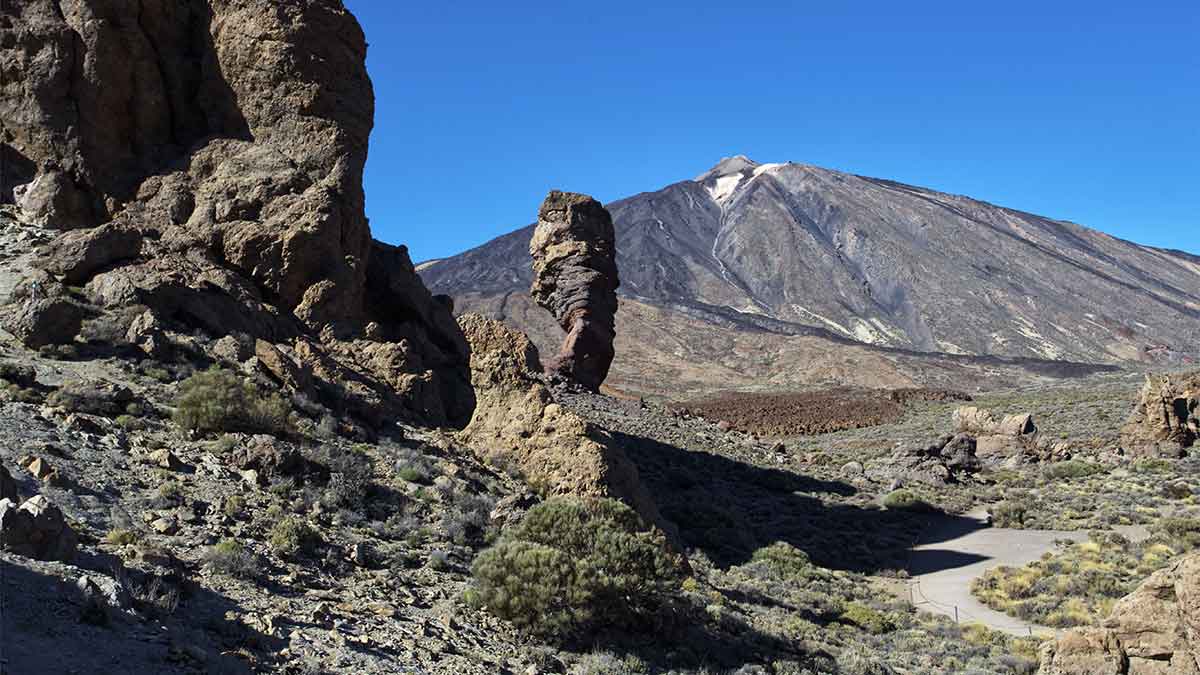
pixel 1166 416
pixel 517 423
pixel 1155 630
pixel 219 146
pixel 575 278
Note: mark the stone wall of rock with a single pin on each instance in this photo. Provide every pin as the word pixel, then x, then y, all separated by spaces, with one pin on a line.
pixel 575 279
pixel 1165 418
pixel 218 146
pixel 1155 630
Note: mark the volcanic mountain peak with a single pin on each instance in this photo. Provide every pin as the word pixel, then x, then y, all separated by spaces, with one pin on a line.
pixel 805 249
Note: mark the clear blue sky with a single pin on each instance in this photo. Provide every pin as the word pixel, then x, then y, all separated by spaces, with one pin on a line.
pixel 1086 111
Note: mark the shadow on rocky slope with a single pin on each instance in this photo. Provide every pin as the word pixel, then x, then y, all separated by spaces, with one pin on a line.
pixel 50 627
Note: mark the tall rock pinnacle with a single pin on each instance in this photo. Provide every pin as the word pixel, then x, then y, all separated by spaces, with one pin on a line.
pixel 575 279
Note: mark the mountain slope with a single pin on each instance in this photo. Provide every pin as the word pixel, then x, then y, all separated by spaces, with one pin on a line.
pixel 878 262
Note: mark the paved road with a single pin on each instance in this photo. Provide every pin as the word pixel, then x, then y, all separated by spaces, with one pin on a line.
pixel 954 550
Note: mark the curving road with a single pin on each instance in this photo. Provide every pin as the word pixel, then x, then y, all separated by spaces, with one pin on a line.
pixel 954 550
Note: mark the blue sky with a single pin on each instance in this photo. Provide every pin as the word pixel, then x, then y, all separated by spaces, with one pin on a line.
pixel 1086 111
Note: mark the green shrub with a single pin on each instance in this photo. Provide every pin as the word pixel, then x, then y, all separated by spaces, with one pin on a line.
pixel 905 500
pixel 1152 465
pixel 783 559
pixel 572 564
pixel 870 620
pixel 121 537
pixel 1072 468
pixel 231 559
pixel 1009 513
pixel 218 400
pixel 1181 533
pixel 292 536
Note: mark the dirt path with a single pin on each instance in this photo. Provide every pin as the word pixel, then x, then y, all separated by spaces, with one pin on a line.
pixel 954 550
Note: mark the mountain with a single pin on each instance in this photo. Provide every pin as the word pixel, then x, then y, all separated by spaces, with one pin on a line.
pixel 749 250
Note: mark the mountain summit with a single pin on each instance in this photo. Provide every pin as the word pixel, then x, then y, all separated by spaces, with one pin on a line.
pixel 795 247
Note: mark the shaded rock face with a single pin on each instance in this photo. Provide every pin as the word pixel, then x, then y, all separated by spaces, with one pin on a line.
pixel 1153 630
pixel 220 144
pixel 575 279
pixel 517 422
pixel 1166 416
pixel 36 529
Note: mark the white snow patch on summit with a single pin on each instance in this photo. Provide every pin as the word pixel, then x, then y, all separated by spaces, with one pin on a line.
pixel 724 187
pixel 763 168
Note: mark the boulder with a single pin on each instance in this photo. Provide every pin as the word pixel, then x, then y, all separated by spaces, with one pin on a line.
pixel 1155 629
pixel 575 279
pixel 54 200
pixel 77 256
pixel 516 421
pixel 36 529
pixel 1017 425
pixel 43 322
pixel 1166 416
pixel 973 420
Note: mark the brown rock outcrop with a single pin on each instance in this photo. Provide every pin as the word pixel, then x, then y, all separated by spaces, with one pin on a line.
pixel 575 279
pixel 211 153
pixel 1155 630
pixel 517 422
pixel 1007 437
pixel 1165 418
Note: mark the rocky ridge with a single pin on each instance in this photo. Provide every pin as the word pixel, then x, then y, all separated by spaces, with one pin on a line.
pixel 230 202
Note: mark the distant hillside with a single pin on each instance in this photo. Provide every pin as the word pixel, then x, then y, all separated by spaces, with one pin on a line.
pixel 784 249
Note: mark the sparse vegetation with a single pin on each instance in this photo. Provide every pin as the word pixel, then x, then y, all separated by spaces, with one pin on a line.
pixel 121 537
pixel 905 500
pixel 292 536
pixel 231 558
pixel 217 400
pixel 573 563
pixel 1079 584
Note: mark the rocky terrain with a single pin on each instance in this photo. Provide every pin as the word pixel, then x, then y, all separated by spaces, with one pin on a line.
pixel 776 273
pixel 239 435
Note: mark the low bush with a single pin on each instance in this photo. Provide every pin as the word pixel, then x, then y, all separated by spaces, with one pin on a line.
pixel 292 536
pixel 905 500
pixel 217 400
pixel 574 564
pixel 870 620
pixel 230 558
pixel 1072 468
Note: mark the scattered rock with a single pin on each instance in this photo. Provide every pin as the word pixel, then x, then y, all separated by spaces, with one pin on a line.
pixel 230 348
pixel 77 256
pixel 43 322
pixel 949 459
pixel 54 200
pixel 575 279
pixel 41 469
pixel 36 529
pixel 165 459
pixel 166 525
pixel 264 458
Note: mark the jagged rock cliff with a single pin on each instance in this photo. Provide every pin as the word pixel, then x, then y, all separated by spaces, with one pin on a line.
pixel 211 154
